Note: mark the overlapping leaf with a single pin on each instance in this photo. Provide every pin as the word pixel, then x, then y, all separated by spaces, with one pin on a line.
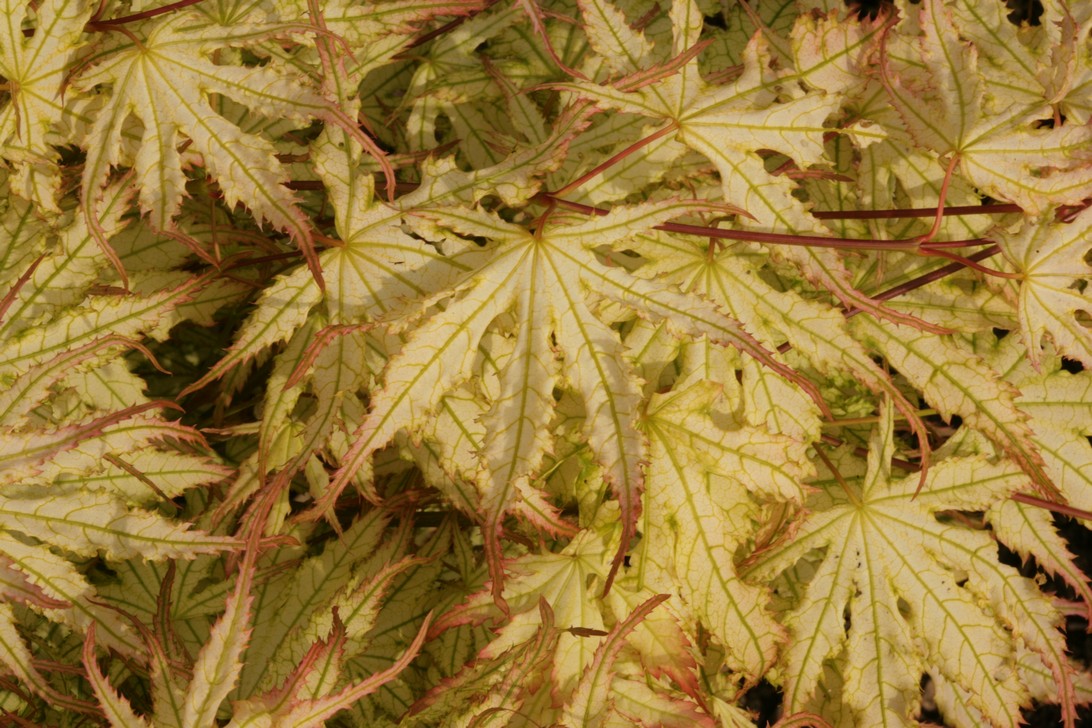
pixel 69 455
pixel 165 80
pixel 729 124
pixel 535 400
pixel 697 506
pixel 546 277
pixel 893 566
pixel 35 66
pixel 950 108
pixel 1054 295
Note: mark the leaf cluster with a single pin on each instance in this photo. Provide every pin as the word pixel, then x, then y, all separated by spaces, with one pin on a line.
pixel 584 362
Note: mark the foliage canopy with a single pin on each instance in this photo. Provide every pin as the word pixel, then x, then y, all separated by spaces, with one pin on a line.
pixel 466 363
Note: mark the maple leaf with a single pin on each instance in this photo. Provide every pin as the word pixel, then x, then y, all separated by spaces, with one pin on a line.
pixel 454 84
pixel 591 701
pixel 496 681
pixel 948 107
pixel 545 277
pixel 69 453
pixel 165 80
pixel 376 247
pixel 296 609
pixel 306 690
pixel 729 124
pixel 585 438
pixel 564 585
pixel 215 669
pixel 334 347
pixel 914 588
pixel 374 34
pixel 1031 69
pixel 1057 404
pixel 35 68
pixel 696 508
pixel 1053 259
pixel 1067 77
pixel 373 248
pixel 816 332
pixel 299 710
pixel 964 386
pixel 559 638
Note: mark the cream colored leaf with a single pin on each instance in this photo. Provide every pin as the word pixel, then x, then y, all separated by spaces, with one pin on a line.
pixel 957 382
pixel 623 49
pixel 59 580
pixel 165 80
pixel 1054 295
pixel 88 522
pixel 894 568
pixel 217 666
pixel 697 505
pixel 35 67
pixel 942 98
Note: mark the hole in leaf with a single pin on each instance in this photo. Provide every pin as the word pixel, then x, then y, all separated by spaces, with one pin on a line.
pixel 249 58
pixel 929 712
pixel 1025 11
pixel 99 572
pixel 867 9
pixel 939 429
pixel 443 129
pixel 1072 366
pixel 716 21
pixel 764 700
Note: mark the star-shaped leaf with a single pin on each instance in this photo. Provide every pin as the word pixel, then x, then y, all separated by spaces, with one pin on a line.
pixel 949 107
pixel 1054 295
pixel 697 511
pixel 553 282
pixel 166 79
pixel 730 124
pixel 901 591
pixel 34 67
